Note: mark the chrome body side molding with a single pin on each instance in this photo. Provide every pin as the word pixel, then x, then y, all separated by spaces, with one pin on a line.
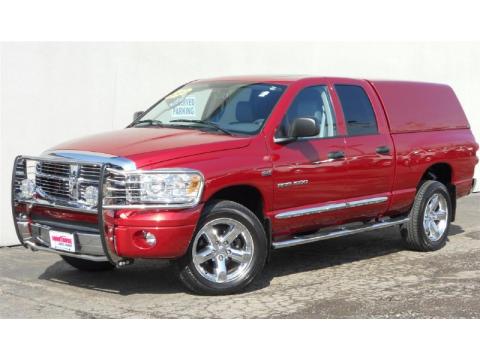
pixel 342 231
pixel 330 207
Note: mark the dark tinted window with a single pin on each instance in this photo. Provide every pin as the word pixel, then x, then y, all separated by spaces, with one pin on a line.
pixel 357 109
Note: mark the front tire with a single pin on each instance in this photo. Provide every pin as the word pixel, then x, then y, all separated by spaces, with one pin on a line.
pixel 87 265
pixel 227 251
pixel 430 218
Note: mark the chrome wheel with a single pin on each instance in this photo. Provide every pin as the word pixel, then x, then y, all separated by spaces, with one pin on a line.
pixel 435 217
pixel 222 250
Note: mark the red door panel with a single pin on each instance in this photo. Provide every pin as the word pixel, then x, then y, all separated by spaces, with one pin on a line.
pixel 370 156
pixel 304 177
pixel 370 173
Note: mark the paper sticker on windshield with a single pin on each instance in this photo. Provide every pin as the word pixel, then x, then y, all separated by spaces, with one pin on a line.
pixel 177 97
pixel 185 109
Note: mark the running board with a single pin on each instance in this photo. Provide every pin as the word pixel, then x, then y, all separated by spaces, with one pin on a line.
pixel 323 235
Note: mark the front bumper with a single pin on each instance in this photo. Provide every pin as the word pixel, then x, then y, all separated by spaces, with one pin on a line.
pixel 123 232
pixel 106 235
pixel 36 237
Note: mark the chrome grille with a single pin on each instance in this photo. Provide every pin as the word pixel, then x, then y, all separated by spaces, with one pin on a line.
pixel 115 186
pixel 61 179
pixel 90 173
pixel 54 187
pixel 52 179
pixel 20 173
pixel 65 181
pixel 121 189
pixel 53 169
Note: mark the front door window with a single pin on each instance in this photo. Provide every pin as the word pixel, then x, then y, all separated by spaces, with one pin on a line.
pixel 312 102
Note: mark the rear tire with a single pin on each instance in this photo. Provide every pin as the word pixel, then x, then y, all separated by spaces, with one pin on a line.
pixel 228 250
pixel 430 217
pixel 87 265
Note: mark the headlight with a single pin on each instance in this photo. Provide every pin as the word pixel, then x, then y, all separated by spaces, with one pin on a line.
pixel 167 187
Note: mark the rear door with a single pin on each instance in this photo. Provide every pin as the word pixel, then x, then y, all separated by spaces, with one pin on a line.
pixel 369 149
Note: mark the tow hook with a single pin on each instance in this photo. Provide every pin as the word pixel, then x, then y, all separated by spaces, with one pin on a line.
pixel 124 262
pixel 31 247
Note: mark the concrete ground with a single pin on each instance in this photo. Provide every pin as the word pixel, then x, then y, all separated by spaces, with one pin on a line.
pixel 363 276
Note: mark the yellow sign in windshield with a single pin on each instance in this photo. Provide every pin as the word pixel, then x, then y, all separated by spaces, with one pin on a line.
pixel 177 97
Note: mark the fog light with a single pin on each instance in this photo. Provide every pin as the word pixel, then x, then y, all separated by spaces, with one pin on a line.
pixel 91 196
pixel 27 188
pixel 150 239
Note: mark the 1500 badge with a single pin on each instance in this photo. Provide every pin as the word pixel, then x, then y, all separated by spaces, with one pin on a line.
pixel 292 183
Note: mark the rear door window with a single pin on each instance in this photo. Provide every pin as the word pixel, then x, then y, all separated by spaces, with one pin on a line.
pixel 357 109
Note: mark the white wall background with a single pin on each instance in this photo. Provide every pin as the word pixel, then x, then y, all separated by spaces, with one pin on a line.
pixel 50 92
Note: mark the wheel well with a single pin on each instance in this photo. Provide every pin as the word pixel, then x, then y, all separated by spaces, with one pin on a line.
pixel 251 198
pixel 246 195
pixel 443 173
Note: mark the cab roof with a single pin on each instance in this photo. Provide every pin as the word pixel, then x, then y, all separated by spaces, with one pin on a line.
pixel 284 79
pixel 291 78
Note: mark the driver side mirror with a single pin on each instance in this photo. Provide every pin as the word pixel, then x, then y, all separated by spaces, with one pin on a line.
pixel 137 114
pixel 301 127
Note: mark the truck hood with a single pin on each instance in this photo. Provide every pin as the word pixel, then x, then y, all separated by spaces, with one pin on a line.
pixel 146 146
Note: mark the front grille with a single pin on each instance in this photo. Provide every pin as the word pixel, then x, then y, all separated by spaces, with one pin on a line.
pixel 20 174
pixel 52 179
pixel 53 168
pixel 55 180
pixel 116 183
pixel 54 187
pixel 67 182
pixel 90 172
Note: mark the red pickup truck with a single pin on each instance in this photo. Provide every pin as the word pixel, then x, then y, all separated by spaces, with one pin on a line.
pixel 221 171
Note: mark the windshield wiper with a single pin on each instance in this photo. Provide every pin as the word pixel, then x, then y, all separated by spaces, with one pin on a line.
pixel 157 123
pixel 207 123
pixel 149 122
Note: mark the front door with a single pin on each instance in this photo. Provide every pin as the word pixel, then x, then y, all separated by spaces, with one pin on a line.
pixel 309 173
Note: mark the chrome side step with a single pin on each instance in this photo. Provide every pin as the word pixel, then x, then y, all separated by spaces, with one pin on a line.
pixel 323 235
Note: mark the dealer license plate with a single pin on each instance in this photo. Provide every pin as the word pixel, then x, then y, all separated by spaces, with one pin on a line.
pixel 62 241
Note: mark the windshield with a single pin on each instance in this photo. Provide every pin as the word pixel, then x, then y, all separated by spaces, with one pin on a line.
pixel 228 107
